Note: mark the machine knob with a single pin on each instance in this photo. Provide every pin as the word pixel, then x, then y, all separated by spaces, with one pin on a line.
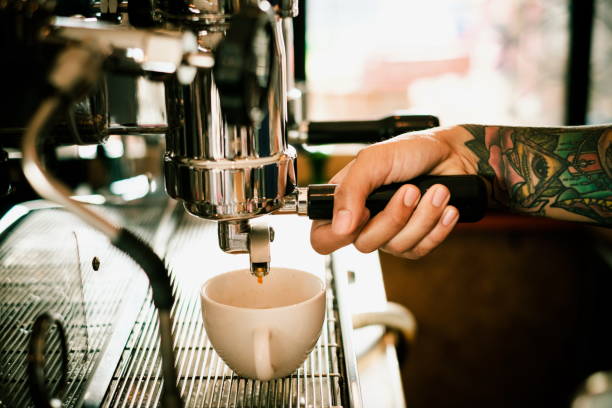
pixel 243 64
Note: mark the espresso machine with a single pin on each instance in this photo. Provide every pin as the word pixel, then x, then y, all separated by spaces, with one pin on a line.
pixel 233 122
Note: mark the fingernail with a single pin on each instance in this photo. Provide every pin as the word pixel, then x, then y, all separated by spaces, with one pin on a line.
pixel 449 216
pixel 341 222
pixel 439 197
pixel 411 196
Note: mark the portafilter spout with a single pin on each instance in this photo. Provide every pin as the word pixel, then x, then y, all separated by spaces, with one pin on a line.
pixel 240 237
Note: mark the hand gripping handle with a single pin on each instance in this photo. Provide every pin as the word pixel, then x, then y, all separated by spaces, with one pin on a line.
pixel 468 195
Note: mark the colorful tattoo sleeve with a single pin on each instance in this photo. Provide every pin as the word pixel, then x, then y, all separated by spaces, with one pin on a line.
pixel 538 170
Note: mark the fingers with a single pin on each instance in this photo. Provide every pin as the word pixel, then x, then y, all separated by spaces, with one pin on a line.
pixel 390 221
pixel 324 240
pixel 398 159
pixel 447 222
pixel 368 171
pixel 406 227
pixel 429 225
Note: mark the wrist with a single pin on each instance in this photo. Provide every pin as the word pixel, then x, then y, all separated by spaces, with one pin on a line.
pixel 456 138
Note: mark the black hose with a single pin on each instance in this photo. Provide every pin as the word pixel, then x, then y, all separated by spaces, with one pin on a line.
pixel 161 287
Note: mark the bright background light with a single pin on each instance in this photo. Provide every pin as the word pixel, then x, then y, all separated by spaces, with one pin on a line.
pixel 477 61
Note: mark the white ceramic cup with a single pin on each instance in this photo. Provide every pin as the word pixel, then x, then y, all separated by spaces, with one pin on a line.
pixel 264 331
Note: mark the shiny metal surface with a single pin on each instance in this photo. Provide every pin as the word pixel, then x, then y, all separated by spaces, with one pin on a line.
pixel 155 51
pixel 46 264
pixel 240 237
pixel 302 201
pixel 260 237
pixel 198 14
pixel 222 171
pixel 86 122
pixel 230 193
pixel 211 12
pixel 346 327
pixel 204 379
pixel 234 236
pixel 76 68
pixel 294 95
pixel 296 202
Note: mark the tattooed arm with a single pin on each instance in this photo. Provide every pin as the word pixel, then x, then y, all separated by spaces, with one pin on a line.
pixel 563 173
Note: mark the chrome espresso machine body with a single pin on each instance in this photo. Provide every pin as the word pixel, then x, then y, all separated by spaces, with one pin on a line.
pixel 227 153
pixel 231 108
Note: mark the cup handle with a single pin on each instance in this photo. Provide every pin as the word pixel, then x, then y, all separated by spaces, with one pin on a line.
pixel 261 353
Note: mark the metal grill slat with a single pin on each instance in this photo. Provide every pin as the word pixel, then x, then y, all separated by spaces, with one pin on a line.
pixel 134 360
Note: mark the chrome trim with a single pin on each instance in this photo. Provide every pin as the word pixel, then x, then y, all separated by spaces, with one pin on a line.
pixel 302 201
pixel 161 51
pixel 340 282
pixel 231 193
pixel 295 203
pixel 233 236
pixel 234 164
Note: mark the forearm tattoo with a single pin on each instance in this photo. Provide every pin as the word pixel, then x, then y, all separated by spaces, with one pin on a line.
pixel 537 169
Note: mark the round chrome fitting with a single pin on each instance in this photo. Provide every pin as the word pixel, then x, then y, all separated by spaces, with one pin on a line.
pixel 231 190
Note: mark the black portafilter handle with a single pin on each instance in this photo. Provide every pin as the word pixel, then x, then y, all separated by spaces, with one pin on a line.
pixel 468 195
pixel 367 131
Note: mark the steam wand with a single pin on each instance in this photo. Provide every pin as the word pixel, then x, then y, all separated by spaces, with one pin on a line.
pixel 76 70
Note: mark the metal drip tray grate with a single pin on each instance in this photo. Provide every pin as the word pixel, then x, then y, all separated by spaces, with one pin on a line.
pixel 46 265
pixel 204 379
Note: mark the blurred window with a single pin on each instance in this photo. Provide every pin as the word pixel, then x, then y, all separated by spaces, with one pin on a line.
pixel 479 61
